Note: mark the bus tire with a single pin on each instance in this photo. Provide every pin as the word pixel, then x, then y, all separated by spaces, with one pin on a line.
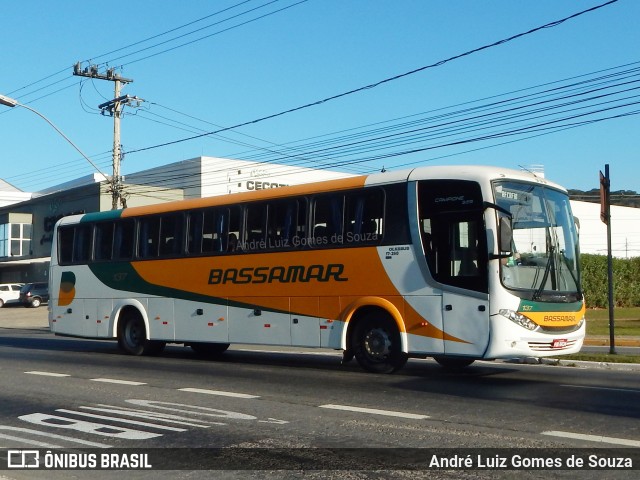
pixel 205 349
pixel 376 344
pixel 454 363
pixel 132 336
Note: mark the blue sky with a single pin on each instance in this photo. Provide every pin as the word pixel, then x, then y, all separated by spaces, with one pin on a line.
pixel 300 53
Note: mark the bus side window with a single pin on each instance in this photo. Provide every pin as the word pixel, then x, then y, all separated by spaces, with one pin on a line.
pixel 82 243
pixel 171 228
pixel 465 250
pixel 328 211
pixel 123 239
pixel 233 237
pixel 282 223
pixel 364 217
pixel 65 245
pixel 427 244
pixel 453 232
pixel 148 237
pixel 254 238
pixel 103 241
pixel 195 236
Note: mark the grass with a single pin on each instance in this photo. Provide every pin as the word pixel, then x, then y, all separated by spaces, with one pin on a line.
pixel 626 322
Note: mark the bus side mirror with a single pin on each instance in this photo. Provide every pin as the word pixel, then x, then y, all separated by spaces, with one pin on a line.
pixel 505 236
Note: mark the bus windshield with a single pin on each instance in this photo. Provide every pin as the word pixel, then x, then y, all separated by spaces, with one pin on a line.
pixel 543 264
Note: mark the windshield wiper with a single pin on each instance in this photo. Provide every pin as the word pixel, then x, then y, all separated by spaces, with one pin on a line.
pixel 573 277
pixel 545 276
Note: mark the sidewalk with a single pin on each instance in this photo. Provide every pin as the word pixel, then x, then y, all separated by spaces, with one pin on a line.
pixel 19 317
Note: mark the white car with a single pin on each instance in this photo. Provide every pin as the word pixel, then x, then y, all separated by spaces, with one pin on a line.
pixel 9 293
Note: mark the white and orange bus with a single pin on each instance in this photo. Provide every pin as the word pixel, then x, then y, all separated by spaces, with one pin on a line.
pixel 456 263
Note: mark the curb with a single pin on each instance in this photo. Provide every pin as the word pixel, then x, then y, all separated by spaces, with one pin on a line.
pixel 575 363
pixel 620 342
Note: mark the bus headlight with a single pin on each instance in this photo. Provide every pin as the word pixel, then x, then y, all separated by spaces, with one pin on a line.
pixel 519 319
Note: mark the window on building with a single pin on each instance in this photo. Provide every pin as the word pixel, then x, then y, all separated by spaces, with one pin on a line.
pixel 15 239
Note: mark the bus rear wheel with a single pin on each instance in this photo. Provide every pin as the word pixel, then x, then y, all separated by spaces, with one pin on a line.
pixel 132 336
pixel 376 344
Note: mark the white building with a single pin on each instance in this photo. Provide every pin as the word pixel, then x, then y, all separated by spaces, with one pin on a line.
pixel 625 230
pixel 208 176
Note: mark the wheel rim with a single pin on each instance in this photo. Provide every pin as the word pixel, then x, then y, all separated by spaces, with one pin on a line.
pixel 377 343
pixel 134 333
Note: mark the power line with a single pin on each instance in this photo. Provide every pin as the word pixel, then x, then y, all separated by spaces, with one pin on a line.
pixel 171 31
pixel 386 80
pixel 210 35
pixel 339 151
pixel 334 152
pixel 106 62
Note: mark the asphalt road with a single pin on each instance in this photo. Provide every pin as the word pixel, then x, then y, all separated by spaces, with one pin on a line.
pixel 70 393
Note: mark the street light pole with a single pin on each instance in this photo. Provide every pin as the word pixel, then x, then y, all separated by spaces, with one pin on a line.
pixel 10 102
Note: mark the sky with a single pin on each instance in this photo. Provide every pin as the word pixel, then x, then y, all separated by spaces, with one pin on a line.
pixel 272 78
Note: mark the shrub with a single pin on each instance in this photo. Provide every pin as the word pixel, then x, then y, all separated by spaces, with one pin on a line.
pixel 626 281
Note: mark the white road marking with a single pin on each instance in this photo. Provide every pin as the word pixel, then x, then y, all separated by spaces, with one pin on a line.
pixel 273 420
pixel 115 380
pixel 122 420
pixel 603 388
pixel 51 435
pixel 26 441
pixel 594 438
pixel 163 417
pixel 218 392
pixel 48 374
pixel 375 411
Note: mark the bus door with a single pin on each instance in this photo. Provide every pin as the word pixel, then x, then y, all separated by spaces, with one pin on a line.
pixel 467 319
pixel 455 245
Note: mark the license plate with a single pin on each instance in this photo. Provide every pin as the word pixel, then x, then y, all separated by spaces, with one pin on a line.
pixel 559 343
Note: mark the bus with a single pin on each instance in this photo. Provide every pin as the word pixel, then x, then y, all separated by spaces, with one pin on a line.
pixel 454 263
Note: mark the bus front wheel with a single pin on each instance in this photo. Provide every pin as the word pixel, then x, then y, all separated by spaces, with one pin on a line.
pixel 376 344
pixel 132 336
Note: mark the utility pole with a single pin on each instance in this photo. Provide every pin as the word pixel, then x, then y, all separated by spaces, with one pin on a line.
pixel 605 216
pixel 114 107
